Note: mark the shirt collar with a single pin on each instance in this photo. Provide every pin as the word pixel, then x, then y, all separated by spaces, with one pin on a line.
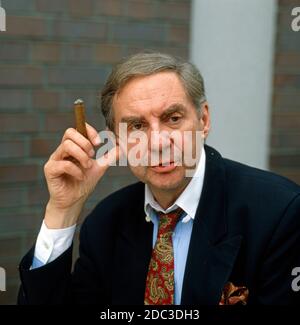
pixel 188 200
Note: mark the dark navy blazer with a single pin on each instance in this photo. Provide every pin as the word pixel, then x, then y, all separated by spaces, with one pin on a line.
pixel 246 230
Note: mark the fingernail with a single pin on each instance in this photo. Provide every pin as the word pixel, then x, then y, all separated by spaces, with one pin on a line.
pixel 92 153
pixel 97 140
pixel 89 164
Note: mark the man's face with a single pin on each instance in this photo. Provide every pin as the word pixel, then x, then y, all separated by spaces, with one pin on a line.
pixel 158 103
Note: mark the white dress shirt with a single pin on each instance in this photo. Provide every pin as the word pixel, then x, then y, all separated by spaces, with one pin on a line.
pixel 51 243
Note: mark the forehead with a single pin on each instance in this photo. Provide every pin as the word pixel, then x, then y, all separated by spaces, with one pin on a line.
pixel 156 91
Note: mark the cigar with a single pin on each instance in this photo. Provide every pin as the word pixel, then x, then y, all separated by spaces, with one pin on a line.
pixel 80 117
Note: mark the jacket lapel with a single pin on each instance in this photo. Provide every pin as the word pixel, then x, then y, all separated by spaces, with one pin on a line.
pixel 212 251
pixel 132 255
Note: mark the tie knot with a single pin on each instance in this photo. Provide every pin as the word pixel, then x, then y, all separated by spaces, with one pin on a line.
pixel 168 221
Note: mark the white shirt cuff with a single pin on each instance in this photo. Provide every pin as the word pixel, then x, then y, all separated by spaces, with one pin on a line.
pixel 51 243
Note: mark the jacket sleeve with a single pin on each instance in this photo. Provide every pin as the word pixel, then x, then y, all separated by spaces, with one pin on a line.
pixel 282 256
pixel 54 283
pixel 48 284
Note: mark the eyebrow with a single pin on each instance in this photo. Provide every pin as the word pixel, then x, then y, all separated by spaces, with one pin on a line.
pixel 131 119
pixel 175 108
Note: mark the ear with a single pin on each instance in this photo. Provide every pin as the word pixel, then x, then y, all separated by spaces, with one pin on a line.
pixel 204 117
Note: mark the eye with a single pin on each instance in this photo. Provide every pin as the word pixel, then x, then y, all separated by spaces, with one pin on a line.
pixel 174 118
pixel 136 126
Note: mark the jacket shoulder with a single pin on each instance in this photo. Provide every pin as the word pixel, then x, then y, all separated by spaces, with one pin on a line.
pixel 240 176
pixel 259 179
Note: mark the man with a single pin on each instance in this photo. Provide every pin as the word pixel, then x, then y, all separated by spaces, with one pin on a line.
pixel 229 233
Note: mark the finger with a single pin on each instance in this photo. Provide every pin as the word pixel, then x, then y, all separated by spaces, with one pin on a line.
pixel 80 140
pixel 70 149
pixel 93 135
pixel 54 169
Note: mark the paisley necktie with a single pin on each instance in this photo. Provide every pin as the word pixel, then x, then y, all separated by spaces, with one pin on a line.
pixel 160 279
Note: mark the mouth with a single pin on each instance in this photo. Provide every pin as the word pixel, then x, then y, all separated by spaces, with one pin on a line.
pixel 164 168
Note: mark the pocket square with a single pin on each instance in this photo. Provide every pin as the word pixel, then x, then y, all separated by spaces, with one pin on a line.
pixel 233 295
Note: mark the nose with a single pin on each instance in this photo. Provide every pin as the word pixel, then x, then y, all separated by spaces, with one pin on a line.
pixel 161 149
pixel 159 139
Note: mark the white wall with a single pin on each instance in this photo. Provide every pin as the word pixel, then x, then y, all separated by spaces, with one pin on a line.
pixel 232 43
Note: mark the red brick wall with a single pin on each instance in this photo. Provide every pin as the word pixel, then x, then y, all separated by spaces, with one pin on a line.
pixel 53 52
pixel 285 124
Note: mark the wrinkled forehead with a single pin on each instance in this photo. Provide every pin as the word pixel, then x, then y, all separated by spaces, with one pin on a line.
pixel 154 92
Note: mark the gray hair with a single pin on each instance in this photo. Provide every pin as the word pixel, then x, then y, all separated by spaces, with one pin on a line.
pixel 145 64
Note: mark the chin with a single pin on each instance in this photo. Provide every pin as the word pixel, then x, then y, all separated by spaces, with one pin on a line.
pixel 166 181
